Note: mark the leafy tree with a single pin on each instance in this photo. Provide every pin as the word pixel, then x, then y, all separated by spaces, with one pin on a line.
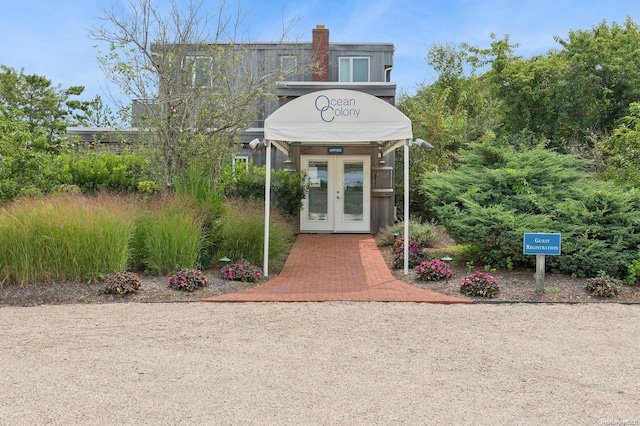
pixel 602 76
pixel 449 113
pixel 621 151
pixel 196 85
pixel 575 95
pixel 27 167
pixel 44 108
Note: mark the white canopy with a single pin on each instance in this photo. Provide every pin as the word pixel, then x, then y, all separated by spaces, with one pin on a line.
pixel 337 116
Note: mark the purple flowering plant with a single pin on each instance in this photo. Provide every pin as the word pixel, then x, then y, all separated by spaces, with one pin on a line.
pixel 433 270
pixel 242 271
pixel 415 254
pixel 187 280
pixel 480 284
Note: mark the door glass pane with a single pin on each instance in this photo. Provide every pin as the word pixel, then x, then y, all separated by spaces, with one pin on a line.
pixel 353 191
pixel 318 184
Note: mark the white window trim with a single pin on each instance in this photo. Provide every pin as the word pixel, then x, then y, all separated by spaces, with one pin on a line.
pixel 243 157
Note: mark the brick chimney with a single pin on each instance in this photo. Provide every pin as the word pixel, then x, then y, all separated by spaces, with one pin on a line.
pixel 320 53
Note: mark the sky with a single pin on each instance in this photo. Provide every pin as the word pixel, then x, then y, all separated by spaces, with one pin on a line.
pixel 51 37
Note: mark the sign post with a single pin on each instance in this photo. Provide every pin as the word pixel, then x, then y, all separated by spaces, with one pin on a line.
pixel 541 244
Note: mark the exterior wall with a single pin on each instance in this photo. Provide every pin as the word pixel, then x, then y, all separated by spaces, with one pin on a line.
pixel 310 74
pixel 380 59
pixel 103 139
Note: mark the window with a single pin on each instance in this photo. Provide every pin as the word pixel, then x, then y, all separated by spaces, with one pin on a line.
pixel 241 161
pixel 202 71
pixel 288 65
pixel 354 70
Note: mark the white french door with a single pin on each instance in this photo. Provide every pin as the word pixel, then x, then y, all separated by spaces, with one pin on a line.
pixel 339 193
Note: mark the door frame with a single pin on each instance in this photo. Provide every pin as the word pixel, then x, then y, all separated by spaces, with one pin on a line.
pixel 335 183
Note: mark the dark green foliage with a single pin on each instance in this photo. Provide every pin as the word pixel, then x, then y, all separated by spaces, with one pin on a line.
pixel 600 227
pixel 633 271
pixel 27 165
pixel 107 171
pixel 288 188
pixel 499 194
pixel 33 100
pixel 247 184
pixel 480 284
pixel 603 286
pixel 122 283
pixel 620 160
pixel 187 280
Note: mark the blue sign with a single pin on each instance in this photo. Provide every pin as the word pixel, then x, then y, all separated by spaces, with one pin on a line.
pixel 335 150
pixel 548 244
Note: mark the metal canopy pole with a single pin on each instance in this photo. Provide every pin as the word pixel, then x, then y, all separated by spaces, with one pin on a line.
pixel 406 206
pixel 267 208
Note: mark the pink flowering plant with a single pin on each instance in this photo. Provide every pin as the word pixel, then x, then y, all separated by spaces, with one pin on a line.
pixel 415 253
pixel 433 270
pixel 187 280
pixel 480 284
pixel 242 271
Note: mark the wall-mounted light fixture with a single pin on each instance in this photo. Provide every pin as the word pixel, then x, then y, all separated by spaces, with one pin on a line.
pixel 257 143
pixel 422 144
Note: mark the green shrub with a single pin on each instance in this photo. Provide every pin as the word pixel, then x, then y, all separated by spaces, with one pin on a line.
pixel 246 184
pixel 497 196
pixel 168 235
pixel 603 286
pixel 289 191
pixel 121 283
pixel 633 272
pixel 93 171
pixel 421 233
pixel 28 165
pixel 242 232
pixel 197 182
pixel 288 188
pixel 64 236
pixel 187 280
pixel 480 284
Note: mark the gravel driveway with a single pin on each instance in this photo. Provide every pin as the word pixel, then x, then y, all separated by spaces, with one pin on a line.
pixel 320 363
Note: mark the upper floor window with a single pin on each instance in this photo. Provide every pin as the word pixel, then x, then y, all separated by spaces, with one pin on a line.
pixel 354 69
pixel 288 65
pixel 202 73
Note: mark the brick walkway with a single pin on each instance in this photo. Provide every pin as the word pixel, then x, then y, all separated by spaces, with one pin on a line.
pixel 335 267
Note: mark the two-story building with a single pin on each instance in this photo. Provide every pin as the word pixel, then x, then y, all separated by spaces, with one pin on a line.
pixel 337 122
pixel 334 119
